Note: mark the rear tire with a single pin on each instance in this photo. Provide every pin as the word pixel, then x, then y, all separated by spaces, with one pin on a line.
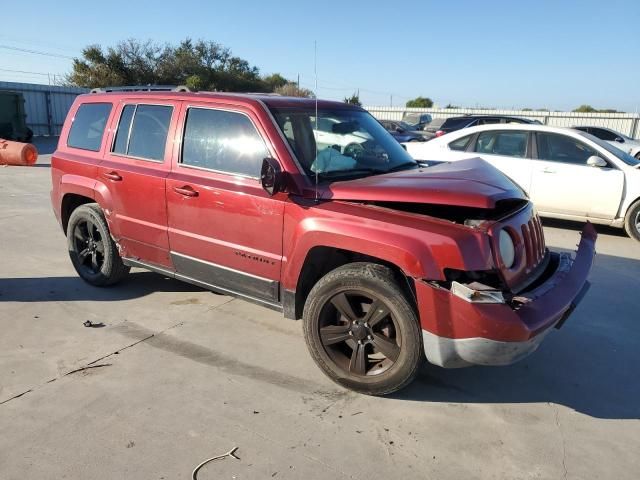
pixel 93 253
pixel 632 221
pixel 362 331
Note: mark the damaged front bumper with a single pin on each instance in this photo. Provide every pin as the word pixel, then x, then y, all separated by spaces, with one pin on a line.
pixel 458 332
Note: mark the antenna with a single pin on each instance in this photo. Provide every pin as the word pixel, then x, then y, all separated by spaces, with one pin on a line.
pixel 315 73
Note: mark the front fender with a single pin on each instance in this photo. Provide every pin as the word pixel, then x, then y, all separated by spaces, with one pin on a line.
pixel 420 249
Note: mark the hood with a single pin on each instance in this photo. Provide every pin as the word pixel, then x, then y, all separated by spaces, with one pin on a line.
pixel 468 183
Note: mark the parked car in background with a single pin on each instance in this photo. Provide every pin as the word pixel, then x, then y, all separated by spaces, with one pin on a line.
pixel 385 259
pixel 617 139
pixel 403 132
pixel 434 126
pixel 567 173
pixel 417 120
pixel 452 124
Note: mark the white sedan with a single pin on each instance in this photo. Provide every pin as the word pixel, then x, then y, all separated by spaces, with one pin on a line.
pixel 617 139
pixel 567 173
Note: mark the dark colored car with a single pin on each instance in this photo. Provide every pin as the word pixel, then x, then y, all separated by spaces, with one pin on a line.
pixel 458 123
pixel 418 121
pixel 404 132
pixel 385 259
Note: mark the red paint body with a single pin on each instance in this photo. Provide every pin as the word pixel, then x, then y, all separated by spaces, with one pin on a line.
pixel 152 210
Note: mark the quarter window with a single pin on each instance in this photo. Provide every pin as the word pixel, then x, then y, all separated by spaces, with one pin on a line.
pixel 460 144
pixel 88 126
pixel 222 141
pixel 505 143
pixel 561 148
pixel 142 131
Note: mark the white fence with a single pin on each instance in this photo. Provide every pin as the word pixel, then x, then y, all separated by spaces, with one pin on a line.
pixel 46 106
pixel 626 123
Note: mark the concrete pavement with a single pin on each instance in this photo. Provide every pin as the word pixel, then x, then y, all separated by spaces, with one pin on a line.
pixel 181 374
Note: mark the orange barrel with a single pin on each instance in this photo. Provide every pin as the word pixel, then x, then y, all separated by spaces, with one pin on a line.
pixel 17 153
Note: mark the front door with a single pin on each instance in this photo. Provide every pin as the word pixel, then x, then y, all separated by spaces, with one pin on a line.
pixel 132 178
pixel 563 183
pixel 225 231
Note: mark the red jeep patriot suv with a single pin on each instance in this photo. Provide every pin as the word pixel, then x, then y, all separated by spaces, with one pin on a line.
pixel 316 211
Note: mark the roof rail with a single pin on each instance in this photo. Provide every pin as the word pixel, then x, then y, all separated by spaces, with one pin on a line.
pixel 143 88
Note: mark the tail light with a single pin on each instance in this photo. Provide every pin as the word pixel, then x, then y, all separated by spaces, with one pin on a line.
pixel 439 133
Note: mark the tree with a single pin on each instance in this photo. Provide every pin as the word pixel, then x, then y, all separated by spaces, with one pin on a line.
pixel 200 65
pixel 353 99
pixel 449 105
pixel 275 80
pixel 420 102
pixel 590 109
pixel 291 89
pixel 585 109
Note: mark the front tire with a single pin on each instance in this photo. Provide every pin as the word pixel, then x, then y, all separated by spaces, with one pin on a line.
pixel 92 251
pixel 362 331
pixel 632 221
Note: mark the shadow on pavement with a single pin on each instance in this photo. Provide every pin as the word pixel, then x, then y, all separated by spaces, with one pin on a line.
pixel 592 364
pixel 68 289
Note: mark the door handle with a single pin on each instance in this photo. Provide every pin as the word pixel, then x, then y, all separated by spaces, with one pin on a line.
pixel 186 191
pixel 548 170
pixel 112 176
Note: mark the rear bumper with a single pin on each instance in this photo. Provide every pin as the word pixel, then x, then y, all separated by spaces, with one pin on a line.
pixel 458 333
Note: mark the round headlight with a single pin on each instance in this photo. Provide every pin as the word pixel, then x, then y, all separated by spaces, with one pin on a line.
pixel 507 249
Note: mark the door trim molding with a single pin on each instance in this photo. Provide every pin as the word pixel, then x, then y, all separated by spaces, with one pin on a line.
pixel 272 304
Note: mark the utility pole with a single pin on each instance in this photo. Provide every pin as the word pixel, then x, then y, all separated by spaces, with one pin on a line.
pixel 391 100
pixel 298 81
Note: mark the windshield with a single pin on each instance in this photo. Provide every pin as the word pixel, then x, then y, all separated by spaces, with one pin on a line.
pixel 624 156
pixel 342 143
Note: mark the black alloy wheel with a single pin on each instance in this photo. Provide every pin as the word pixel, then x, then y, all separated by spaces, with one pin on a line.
pixel 362 329
pixel 358 333
pixel 90 246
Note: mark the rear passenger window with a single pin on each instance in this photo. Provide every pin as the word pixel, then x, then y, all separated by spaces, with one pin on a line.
pixel 222 141
pixel 142 131
pixel 460 144
pixel 88 126
pixel 122 135
pixel 506 143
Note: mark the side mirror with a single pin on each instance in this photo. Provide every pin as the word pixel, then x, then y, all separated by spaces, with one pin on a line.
pixel 400 130
pixel 596 161
pixel 619 139
pixel 271 176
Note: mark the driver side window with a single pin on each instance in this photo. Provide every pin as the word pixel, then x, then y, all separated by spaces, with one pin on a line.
pixel 561 148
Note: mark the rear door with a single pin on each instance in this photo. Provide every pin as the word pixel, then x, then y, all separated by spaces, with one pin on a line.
pixel 133 175
pixel 563 183
pixel 224 229
pixel 508 151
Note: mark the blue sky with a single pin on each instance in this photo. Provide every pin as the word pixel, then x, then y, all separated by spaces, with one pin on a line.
pixel 553 54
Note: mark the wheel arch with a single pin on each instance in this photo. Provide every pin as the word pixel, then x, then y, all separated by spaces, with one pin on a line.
pixel 77 190
pixel 322 259
pixel 71 201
